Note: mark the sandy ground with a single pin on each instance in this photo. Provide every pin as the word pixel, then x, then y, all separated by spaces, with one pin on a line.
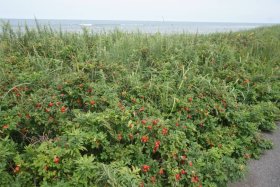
pixel 266 171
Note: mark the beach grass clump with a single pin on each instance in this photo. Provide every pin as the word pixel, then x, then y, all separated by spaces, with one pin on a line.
pixel 135 109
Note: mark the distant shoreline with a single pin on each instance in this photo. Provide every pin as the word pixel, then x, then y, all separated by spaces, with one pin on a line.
pixel 136 26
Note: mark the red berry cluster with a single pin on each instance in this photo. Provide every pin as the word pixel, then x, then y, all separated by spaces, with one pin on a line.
pixel 144 139
pixel 145 168
pixel 157 144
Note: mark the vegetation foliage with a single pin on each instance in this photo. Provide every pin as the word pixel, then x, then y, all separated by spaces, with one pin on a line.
pixel 134 109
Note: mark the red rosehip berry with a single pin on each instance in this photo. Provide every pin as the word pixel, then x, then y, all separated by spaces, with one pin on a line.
pixel 17 169
pixel 178 176
pixel 56 159
pixel 195 179
pixel 119 137
pixel 143 121
pixel 27 116
pixel 246 81
pixel 63 109
pixel 141 184
pixel 133 100
pixel 155 122
pixel 5 126
pixel 187 109
pixel 157 144
pixel 38 105
pixel 92 102
pixel 46 168
pixel 153 179
pixel 144 139
pixel 161 171
pixel 145 168
pixel 190 164
pixel 130 136
pixel 142 109
pixel 164 131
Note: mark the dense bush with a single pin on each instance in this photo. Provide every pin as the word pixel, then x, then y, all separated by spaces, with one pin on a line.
pixel 130 109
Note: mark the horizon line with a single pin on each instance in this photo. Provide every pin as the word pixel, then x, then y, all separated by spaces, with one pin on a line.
pixel 67 19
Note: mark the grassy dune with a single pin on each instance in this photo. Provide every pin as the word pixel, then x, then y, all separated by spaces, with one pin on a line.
pixel 130 109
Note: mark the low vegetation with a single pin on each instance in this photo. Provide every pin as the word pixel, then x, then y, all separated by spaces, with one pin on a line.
pixel 134 109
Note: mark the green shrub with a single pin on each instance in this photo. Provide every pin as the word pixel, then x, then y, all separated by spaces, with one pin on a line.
pixel 130 109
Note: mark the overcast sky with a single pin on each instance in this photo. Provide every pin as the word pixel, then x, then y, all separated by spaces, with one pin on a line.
pixel 261 11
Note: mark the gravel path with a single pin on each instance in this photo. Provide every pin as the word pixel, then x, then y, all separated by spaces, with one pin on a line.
pixel 266 171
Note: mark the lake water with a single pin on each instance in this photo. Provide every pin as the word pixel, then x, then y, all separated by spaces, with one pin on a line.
pixel 134 26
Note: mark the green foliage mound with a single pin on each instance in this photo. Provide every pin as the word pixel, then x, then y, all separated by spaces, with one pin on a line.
pixel 134 109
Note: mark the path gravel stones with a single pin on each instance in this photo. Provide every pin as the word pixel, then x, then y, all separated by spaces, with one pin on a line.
pixel 264 172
